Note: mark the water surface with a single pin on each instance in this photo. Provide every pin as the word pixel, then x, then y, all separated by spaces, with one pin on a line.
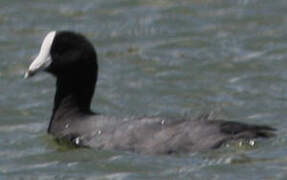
pixel 157 58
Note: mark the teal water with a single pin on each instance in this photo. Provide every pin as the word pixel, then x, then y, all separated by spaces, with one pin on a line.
pixel 157 58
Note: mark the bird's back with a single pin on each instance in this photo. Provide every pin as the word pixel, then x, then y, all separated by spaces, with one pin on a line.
pixel 161 136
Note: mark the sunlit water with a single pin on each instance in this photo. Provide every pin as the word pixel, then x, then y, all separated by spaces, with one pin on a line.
pixel 157 58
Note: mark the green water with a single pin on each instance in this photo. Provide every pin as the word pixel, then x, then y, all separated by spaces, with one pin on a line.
pixel 157 58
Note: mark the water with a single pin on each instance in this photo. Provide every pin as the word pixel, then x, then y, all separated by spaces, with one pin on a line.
pixel 157 58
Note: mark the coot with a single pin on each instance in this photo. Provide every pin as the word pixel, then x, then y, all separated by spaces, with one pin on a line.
pixel 72 60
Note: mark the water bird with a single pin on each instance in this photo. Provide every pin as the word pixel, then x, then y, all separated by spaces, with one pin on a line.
pixel 72 60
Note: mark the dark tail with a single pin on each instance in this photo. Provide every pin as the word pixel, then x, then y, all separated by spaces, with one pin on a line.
pixel 241 130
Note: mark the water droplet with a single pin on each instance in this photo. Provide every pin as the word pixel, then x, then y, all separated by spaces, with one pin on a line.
pixel 162 122
pixel 99 132
pixel 240 143
pixel 67 125
pixel 77 140
pixel 252 142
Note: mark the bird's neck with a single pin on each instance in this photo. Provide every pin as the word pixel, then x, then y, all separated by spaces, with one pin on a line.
pixel 73 96
pixel 74 92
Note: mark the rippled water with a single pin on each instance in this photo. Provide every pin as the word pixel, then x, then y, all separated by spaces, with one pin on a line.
pixel 157 58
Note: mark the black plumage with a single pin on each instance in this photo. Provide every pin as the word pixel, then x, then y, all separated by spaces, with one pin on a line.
pixel 74 64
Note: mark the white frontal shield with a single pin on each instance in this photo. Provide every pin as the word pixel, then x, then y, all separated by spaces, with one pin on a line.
pixel 43 60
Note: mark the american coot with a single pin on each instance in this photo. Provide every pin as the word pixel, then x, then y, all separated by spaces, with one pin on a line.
pixel 71 58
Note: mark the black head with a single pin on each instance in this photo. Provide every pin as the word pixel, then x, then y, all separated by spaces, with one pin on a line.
pixel 72 59
pixel 72 53
pixel 65 53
